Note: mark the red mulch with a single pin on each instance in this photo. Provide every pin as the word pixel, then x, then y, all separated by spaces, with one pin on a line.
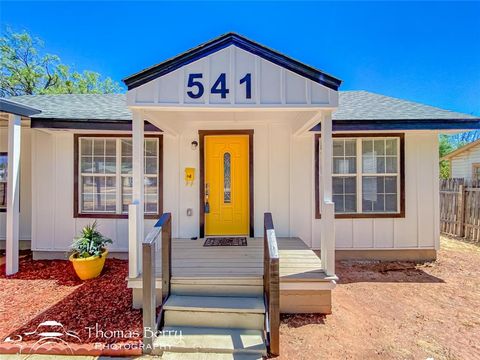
pixel 49 290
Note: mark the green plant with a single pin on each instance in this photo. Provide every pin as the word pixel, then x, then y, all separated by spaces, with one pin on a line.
pixel 90 243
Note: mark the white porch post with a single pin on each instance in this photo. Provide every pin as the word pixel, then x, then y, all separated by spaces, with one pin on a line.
pixel 327 205
pixel 13 201
pixel 136 210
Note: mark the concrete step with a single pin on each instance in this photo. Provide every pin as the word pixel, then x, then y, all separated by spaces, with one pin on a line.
pixel 215 311
pixel 192 340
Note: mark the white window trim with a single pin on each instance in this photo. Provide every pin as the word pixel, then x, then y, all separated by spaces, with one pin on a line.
pixel 360 174
pixel 118 177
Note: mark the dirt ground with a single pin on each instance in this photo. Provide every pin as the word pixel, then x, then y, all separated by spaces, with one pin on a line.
pixel 396 311
pixel 380 310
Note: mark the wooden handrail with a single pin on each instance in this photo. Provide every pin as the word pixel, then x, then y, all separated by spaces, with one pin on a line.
pixel 151 322
pixel 271 286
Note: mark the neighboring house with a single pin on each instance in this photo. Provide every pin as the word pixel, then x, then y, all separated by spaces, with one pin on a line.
pixel 465 161
pixel 247 125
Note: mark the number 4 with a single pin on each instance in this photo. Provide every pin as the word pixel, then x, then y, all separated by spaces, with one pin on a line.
pixel 220 86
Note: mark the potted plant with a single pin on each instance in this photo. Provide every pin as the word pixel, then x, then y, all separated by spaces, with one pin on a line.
pixel 89 252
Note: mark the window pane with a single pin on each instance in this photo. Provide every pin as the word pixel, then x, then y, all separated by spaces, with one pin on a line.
pixel 126 147
pixel 350 147
pixel 391 203
pixel 390 184
pixel 379 147
pixel 87 202
pixel 350 185
pixel 367 147
pixel 151 147
pixel 151 204
pixel 344 194
pixel 380 165
pixel 350 203
pixel 391 146
pixel 391 164
pixel 338 148
pixel 369 188
pixel 99 202
pixel 151 185
pixel 99 165
pixel 99 147
pixel 86 165
pixel 127 183
pixel 338 200
pixel 110 165
pixel 369 165
pixel 379 194
pixel 111 147
pixel 150 165
pixel 3 194
pixel 127 166
pixel 86 146
pixel 110 202
pixel 227 195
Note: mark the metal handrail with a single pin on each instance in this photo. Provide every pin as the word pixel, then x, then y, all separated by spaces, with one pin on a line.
pixel 271 286
pixel 152 322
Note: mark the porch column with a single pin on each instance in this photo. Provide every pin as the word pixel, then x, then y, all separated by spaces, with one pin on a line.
pixel 327 205
pixel 13 201
pixel 136 209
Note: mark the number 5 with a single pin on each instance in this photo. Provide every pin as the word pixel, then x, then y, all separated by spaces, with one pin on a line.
pixel 193 82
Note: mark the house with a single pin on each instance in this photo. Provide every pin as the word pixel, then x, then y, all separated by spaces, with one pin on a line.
pixel 465 161
pixel 217 139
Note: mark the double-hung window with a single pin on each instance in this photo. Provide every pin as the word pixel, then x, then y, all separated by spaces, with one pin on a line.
pixel 105 178
pixel 367 177
pixel 3 181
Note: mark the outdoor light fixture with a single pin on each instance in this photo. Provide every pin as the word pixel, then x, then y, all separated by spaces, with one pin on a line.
pixel 194 144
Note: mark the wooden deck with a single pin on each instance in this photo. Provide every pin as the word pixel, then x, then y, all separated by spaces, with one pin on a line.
pixel 304 286
pixel 192 260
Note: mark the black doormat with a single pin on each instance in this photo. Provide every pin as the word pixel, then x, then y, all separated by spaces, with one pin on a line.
pixel 225 241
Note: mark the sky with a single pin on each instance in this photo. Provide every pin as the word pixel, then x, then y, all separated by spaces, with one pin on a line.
pixel 422 51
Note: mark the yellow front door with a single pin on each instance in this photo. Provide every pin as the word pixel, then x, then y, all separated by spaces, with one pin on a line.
pixel 226 185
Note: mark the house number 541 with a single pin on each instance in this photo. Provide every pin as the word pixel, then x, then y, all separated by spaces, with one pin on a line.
pixel 219 86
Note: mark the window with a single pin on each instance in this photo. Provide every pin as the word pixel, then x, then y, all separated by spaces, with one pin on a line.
pixel 3 181
pixel 227 196
pixel 475 173
pixel 105 179
pixel 367 177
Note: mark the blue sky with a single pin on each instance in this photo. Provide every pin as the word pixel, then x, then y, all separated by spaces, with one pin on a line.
pixel 427 51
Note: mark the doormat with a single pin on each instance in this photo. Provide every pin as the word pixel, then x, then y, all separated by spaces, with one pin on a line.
pixel 226 241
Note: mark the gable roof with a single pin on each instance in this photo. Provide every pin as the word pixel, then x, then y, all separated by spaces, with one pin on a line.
pixel 461 150
pixel 357 110
pixel 222 42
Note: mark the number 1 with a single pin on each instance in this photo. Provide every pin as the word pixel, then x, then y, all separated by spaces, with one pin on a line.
pixel 248 86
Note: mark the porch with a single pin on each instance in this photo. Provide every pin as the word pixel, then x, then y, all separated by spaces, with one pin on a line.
pixel 304 286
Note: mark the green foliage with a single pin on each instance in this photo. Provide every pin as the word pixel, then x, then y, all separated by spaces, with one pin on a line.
pixel 26 70
pixel 90 243
pixel 445 147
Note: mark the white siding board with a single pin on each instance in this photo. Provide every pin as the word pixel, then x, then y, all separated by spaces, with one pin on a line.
pixel 383 233
pixel 363 233
pixel 344 233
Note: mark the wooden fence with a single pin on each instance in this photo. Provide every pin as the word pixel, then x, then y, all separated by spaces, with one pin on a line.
pixel 460 208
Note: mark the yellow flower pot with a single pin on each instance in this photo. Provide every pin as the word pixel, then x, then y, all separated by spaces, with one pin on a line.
pixel 89 268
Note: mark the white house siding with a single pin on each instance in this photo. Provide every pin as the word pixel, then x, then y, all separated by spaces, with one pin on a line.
pixel 25 232
pixel 283 184
pixel 272 85
pixel 53 224
pixel 462 164
pixel 420 227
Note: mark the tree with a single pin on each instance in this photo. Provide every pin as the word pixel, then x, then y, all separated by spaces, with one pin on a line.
pixel 26 70
pixel 445 147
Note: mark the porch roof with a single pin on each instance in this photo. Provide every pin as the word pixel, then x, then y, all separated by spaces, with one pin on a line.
pixel 222 42
pixel 357 110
